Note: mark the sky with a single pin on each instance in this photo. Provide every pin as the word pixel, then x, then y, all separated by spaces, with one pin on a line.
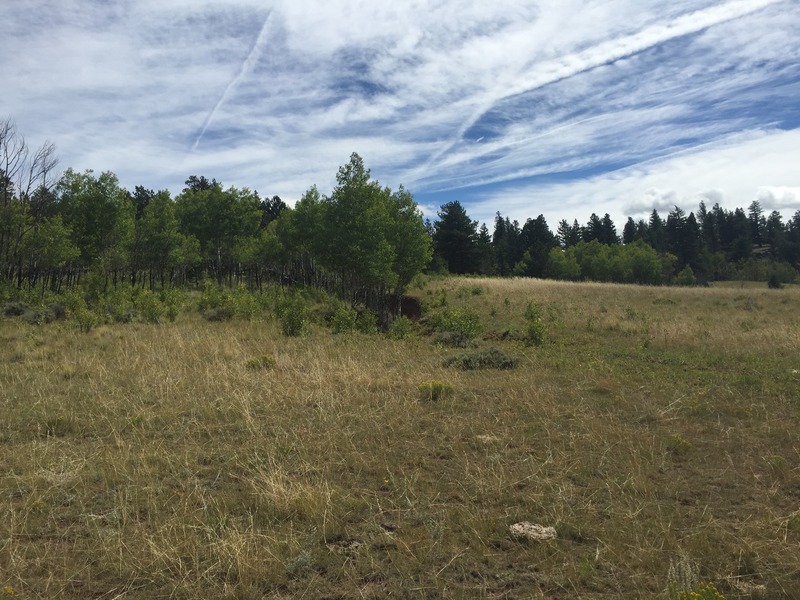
pixel 557 107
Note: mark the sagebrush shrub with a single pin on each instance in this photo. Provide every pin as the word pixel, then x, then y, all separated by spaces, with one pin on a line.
pixel 14 309
pixel 452 339
pixel 490 358
pixel 38 316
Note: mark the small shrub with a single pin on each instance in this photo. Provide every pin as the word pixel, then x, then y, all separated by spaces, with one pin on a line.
pixel 458 320
pixel 59 311
pixel 150 307
pixel 85 318
pixel 686 277
pixel 221 313
pixel 14 309
pixel 172 298
pixel 265 361
pixel 293 316
pixel 490 358
pixel 344 320
pixel 452 339
pixel 400 328
pixel 367 322
pixel 59 426
pixel 704 591
pixel 435 390
pixel 116 305
pixel 38 316
pixel 212 296
pixel 774 282
pixel 243 304
pixel 793 523
pixel 534 326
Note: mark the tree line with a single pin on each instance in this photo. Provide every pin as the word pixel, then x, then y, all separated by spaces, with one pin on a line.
pixel 363 242
pixel 713 244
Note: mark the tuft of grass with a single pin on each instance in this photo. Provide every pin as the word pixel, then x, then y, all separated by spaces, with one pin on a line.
pixel 435 390
pixel 677 446
pixel 265 361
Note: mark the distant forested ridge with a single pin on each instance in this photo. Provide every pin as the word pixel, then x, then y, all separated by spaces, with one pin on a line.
pixel 363 242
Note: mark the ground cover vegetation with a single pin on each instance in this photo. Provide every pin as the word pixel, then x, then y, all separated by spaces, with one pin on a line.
pixel 291 449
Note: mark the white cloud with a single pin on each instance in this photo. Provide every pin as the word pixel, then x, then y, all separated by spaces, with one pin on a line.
pixel 782 198
pixel 723 173
pixel 608 96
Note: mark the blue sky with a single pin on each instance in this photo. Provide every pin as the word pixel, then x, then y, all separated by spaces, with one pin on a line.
pixel 558 107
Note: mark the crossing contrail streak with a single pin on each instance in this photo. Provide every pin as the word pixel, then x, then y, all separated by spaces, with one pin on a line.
pixel 602 54
pixel 246 67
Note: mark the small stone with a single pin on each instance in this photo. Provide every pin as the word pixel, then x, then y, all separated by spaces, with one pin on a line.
pixel 533 532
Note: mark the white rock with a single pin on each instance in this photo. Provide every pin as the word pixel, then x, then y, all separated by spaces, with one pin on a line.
pixel 531 531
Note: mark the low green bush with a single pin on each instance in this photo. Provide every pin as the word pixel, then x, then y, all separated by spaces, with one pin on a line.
pixel 534 326
pixel 462 321
pixel 293 316
pixel 400 328
pixel 344 319
pixel 149 305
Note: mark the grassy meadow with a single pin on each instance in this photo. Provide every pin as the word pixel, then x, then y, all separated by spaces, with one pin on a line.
pixel 656 429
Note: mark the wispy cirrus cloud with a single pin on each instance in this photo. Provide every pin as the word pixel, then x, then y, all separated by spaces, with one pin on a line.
pixel 600 103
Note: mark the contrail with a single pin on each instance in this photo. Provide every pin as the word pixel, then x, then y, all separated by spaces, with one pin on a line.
pixel 606 53
pixel 247 65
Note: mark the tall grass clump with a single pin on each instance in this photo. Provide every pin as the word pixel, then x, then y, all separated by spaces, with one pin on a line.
pixel 435 390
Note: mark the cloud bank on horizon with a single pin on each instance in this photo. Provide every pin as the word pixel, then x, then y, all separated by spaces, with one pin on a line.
pixel 559 107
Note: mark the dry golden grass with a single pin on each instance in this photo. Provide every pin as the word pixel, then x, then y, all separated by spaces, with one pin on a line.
pixel 146 461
